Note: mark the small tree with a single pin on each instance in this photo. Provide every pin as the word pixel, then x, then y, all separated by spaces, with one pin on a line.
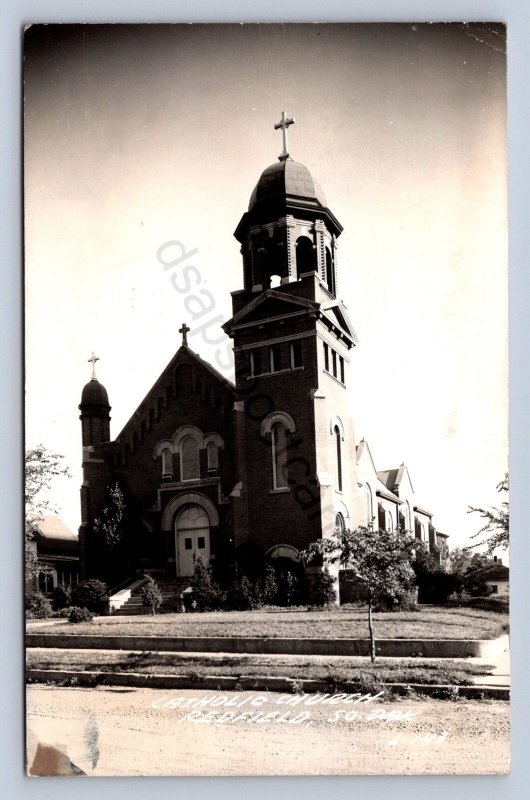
pixel 268 586
pixel 151 595
pixel 91 594
pixel 41 466
pixel 110 524
pixel 205 593
pixel 497 522
pixel 379 558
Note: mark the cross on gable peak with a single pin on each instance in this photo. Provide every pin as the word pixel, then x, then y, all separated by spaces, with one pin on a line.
pixel 184 331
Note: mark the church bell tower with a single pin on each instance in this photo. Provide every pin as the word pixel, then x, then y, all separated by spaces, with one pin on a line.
pixel 292 346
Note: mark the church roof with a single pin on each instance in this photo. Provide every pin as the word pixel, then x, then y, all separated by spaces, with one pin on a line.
pixel 159 388
pixel 50 526
pixel 389 477
pixel 287 178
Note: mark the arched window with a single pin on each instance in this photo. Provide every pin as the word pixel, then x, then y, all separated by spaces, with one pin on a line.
pixel 279 455
pixel 337 433
pixel 305 256
pixel 167 464
pixel 189 459
pixel 330 273
pixel 275 281
pixel 339 523
pixel 212 452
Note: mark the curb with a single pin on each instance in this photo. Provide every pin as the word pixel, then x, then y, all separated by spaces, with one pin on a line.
pixel 256 683
pixel 427 648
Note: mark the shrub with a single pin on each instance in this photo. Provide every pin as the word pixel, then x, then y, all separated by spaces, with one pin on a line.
pixel 206 595
pixel 151 595
pixel 62 613
pixel 242 596
pixel 38 606
pixel 321 589
pixel 91 594
pixel 288 588
pixel 436 586
pixel 61 597
pixel 268 586
pixel 79 615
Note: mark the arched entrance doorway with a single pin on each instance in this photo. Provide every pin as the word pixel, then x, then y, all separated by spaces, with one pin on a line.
pixel 192 539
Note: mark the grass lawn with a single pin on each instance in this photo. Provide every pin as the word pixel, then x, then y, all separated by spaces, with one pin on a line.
pixel 336 669
pixel 430 622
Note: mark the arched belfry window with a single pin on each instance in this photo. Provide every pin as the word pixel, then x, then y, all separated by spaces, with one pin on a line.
pixel 189 454
pixel 279 455
pixel 330 272
pixel 338 437
pixel 305 256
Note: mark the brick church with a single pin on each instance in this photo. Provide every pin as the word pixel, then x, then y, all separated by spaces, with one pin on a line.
pixel 269 463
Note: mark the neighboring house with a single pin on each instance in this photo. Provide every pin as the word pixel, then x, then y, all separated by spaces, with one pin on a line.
pixel 57 549
pixel 496 577
pixel 270 462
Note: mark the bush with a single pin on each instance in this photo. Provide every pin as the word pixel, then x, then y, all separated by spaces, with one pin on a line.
pixel 242 596
pixel 77 614
pixel 206 595
pixel 61 597
pixel 321 589
pixel 62 613
pixel 436 586
pixel 38 606
pixel 268 585
pixel 288 588
pixel 91 594
pixel 151 595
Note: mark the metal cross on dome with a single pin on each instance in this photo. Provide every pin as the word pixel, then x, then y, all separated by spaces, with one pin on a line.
pixel 284 124
pixel 92 360
pixel 184 331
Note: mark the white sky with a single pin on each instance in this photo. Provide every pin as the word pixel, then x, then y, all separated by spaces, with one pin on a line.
pixel 140 135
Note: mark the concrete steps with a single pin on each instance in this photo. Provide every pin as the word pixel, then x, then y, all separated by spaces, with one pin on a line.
pixel 171 591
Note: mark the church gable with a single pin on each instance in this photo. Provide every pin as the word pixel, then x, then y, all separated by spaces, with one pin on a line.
pixel 337 314
pixel 271 305
pixel 188 390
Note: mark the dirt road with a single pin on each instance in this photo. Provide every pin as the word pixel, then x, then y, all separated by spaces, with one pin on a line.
pixel 109 731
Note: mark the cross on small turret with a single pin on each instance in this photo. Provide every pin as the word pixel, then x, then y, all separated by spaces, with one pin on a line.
pixel 92 360
pixel 184 331
pixel 284 124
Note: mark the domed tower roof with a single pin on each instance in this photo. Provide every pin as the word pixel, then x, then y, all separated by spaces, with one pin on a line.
pixel 94 397
pixel 94 394
pixel 287 179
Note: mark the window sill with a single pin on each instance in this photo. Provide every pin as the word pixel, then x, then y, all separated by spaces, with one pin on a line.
pixel 279 490
pixel 332 376
pixel 276 372
pixel 191 482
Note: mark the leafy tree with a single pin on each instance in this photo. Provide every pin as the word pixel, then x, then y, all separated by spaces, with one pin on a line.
pixel 41 466
pixel 110 526
pixel 151 595
pixel 497 523
pixel 380 559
